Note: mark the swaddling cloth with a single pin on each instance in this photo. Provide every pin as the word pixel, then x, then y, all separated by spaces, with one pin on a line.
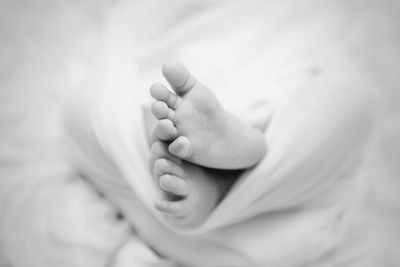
pixel 292 209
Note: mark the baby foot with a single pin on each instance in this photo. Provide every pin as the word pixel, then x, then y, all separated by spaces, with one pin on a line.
pixel 199 129
pixel 192 192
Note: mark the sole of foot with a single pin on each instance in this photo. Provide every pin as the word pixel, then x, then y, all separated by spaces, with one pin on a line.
pixel 198 128
pixel 191 193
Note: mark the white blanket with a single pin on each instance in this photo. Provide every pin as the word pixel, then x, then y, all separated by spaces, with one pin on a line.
pixel 268 62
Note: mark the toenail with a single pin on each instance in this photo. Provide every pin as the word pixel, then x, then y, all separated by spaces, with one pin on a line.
pixel 180 146
pixel 166 178
pixel 160 109
pixel 155 89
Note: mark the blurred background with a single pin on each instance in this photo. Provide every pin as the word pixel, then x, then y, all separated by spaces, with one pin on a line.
pixel 51 49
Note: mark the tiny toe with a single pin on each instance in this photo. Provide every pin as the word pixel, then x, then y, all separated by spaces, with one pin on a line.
pixel 160 110
pixel 173 208
pixel 178 76
pixel 160 150
pixel 160 93
pixel 174 185
pixel 166 130
pixel 180 147
pixel 164 166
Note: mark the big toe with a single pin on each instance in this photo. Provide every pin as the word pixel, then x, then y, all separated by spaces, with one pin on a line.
pixel 181 148
pixel 178 76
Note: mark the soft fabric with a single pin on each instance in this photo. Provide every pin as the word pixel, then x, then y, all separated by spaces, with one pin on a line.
pixel 316 104
pixel 324 194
